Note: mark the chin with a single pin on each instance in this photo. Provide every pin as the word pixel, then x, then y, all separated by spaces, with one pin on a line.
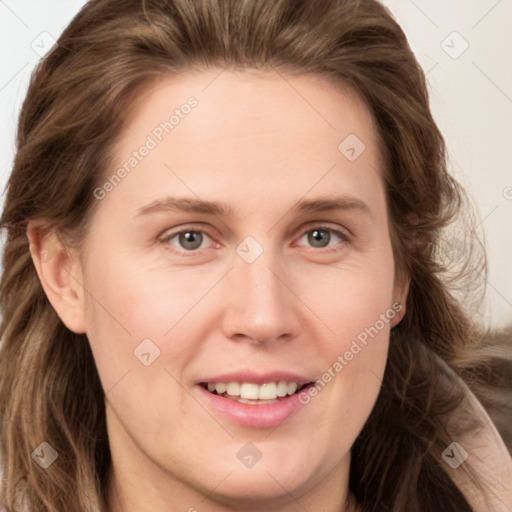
pixel 241 488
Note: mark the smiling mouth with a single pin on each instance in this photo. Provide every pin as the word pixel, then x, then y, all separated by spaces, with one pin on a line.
pixel 254 394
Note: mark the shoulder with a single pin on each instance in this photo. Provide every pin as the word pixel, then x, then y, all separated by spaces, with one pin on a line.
pixel 485 452
pixel 21 502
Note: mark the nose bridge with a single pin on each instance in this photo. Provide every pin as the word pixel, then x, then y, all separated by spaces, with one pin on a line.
pixel 255 271
pixel 260 307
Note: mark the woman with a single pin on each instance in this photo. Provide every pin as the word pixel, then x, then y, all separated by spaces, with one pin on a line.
pixel 224 281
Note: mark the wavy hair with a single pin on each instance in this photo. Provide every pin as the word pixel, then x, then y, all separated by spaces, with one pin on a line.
pixel 78 98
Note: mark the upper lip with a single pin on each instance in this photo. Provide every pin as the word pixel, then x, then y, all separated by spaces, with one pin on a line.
pixel 257 378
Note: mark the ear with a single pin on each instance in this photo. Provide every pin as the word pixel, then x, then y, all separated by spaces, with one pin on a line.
pixel 60 272
pixel 400 292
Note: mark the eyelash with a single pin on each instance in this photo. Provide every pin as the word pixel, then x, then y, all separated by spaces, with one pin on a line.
pixel 190 253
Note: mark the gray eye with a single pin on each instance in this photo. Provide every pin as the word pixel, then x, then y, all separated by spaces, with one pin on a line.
pixel 190 239
pixel 319 237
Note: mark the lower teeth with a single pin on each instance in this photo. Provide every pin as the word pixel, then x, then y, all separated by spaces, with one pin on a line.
pixel 251 401
pixel 254 402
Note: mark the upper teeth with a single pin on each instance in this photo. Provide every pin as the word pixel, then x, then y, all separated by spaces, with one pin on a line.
pixel 267 391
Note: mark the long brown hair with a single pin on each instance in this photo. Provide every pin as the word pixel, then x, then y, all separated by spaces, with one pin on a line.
pixel 73 113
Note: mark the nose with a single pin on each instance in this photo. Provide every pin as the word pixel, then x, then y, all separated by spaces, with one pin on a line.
pixel 261 306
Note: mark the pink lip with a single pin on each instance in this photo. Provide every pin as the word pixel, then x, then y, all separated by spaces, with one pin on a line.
pixel 258 416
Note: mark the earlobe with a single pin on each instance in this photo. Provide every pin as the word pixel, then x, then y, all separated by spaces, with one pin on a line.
pixel 400 293
pixel 60 272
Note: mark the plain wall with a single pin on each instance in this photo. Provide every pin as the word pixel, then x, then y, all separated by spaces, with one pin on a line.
pixel 463 46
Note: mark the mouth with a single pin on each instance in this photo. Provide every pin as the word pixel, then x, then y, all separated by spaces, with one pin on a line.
pixel 256 400
pixel 252 393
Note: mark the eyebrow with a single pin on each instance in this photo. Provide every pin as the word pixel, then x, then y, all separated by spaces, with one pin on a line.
pixel 171 204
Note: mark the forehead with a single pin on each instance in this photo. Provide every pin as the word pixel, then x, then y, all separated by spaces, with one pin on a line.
pixel 252 96
pixel 256 130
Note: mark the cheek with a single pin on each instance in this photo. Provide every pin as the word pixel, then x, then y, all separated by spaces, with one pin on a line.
pixel 345 394
pixel 356 304
pixel 123 310
pixel 136 307
pixel 131 298
pixel 355 299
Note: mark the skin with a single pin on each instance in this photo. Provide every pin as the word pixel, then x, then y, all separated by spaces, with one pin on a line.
pixel 258 145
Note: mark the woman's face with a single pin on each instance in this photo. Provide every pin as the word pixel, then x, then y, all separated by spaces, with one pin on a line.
pixel 286 277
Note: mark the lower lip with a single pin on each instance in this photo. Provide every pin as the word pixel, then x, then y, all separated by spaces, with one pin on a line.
pixel 258 416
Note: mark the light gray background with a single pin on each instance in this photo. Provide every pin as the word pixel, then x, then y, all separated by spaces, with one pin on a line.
pixel 471 98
